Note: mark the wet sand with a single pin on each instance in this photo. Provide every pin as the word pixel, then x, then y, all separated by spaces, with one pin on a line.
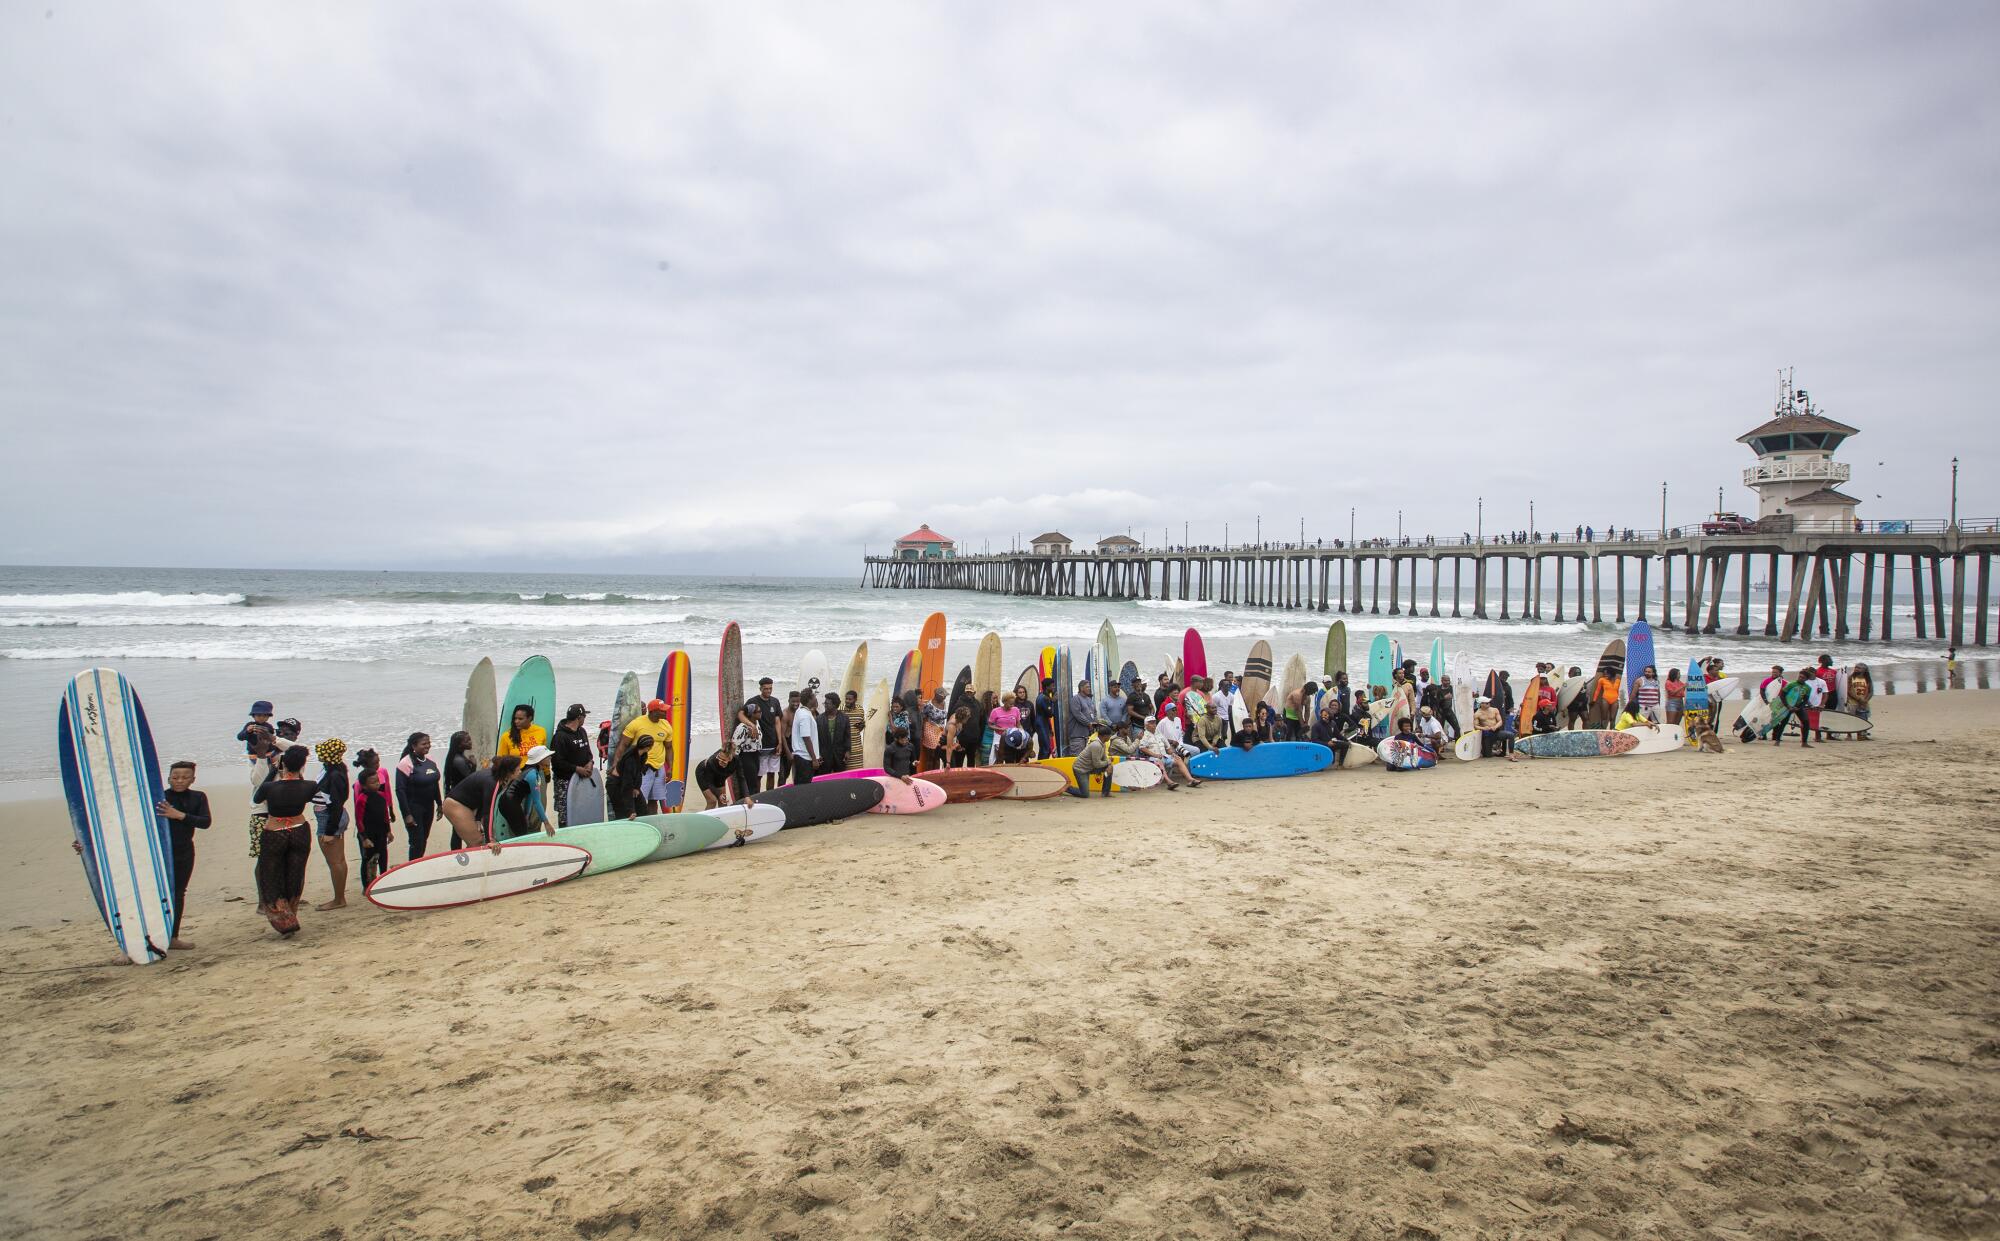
pixel 1748 995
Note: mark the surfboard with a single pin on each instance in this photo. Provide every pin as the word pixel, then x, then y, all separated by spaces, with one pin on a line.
pixel 930 656
pixel 907 677
pixel 1381 663
pixel 676 689
pixel 1577 743
pixel 1031 781
pixel 729 696
pixel 812 672
pixel 1638 657
pixel 916 797
pixel 745 824
pixel 610 845
pixel 1107 638
pixel 111 780
pixel 683 833
pixel 855 680
pixel 1524 707
pixel 986 665
pixel 1100 680
pixel 827 801
pixel 1335 658
pixel 1666 739
pixel 1046 665
pixel 1842 723
pixel 469 876
pixel 1128 676
pixel 534 685
pixel 1026 687
pixel 1461 690
pixel 1467 747
pixel 1272 759
pixel 1295 678
pixel 1125 774
pixel 1697 687
pixel 1569 691
pixel 481 718
pixel 1612 662
pixel 1400 755
pixel 1194 656
pixel 586 799
pixel 969 784
pixel 1065 687
pixel 961 689
pixel 875 726
pixel 1256 682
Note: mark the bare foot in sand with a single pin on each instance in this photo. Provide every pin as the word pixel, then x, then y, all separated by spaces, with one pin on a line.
pixel 325 905
pixel 179 943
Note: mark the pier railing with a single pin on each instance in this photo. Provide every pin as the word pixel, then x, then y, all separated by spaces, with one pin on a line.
pixel 1808 565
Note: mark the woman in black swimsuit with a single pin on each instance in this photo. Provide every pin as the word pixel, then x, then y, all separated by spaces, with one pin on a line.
pixel 286 844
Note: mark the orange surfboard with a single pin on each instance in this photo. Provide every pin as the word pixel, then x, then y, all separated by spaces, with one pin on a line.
pixel 1524 710
pixel 930 657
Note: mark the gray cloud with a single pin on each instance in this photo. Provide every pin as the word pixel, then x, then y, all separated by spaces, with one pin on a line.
pixel 733 286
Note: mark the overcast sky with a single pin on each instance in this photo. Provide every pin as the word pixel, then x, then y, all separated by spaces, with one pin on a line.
pixel 746 287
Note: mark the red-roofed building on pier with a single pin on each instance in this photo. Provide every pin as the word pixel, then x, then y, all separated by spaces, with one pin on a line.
pixel 924 543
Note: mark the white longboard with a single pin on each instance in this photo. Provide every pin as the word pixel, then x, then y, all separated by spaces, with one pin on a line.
pixel 1468 745
pixel 468 876
pixel 747 824
pixel 1667 739
pixel 111 779
pixel 1133 774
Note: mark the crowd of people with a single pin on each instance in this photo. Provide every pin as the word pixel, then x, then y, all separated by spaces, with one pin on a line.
pixel 524 785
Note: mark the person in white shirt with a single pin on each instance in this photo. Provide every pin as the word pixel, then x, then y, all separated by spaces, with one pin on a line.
pixel 805 744
pixel 1155 749
pixel 1169 728
pixel 1430 731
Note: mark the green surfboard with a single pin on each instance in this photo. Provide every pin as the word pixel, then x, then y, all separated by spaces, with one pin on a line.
pixel 535 685
pixel 611 845
pixel 1381 662
pixel 683 833
pixel 1336 648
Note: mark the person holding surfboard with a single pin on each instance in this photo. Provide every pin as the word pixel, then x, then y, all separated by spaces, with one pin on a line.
pixel 185 808
pixel 573 757
pixel 472 803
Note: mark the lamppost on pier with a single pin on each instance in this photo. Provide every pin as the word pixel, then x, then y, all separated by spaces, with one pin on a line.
pixel 1480 529
pixel 1954 493
pixel 1663 510
pixel 1350 527
pixel 1531 521
pixel 1399 527
pixel 1260 532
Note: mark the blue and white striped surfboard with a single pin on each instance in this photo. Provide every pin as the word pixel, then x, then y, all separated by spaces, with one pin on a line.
pixel 111 777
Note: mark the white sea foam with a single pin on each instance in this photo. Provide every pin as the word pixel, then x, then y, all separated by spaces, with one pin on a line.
pixel 122 599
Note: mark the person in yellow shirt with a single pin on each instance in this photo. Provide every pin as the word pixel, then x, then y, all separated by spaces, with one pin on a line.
pixel 522 735
pixel 653 787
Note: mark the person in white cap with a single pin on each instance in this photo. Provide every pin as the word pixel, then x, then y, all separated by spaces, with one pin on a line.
pixel 535 776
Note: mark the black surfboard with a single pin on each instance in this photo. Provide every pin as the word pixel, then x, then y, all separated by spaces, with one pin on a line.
pixel 822 801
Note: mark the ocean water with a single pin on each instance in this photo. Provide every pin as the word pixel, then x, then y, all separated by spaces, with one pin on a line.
pixel 371 657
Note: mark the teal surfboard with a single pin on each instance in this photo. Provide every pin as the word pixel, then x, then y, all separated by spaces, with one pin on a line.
pixel 611 845
pixel 1381 662
pixel 534 684
pixel 1437 660
pixel 683 833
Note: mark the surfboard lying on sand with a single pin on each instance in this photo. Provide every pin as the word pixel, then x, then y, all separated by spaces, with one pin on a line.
pixel 469 876
pixel 1578 743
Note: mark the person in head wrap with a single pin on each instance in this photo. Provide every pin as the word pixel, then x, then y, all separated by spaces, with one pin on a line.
pixel 330 808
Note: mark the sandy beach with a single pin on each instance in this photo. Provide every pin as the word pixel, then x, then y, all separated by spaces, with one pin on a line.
pixel 1748 995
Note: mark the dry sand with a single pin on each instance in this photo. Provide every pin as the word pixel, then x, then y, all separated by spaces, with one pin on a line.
pixel 1754 995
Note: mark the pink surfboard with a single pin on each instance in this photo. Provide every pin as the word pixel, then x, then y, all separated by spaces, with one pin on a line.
pixel 916 797
pixel 862 774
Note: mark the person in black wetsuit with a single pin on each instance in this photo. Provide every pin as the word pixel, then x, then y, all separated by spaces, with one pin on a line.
pixel 474 801
pixel 374 814
pixel 834 736
pixel 419 791
pixel 285 845
pixel 711 776
pixel 459 761
pixel 335 787
pixel 185 808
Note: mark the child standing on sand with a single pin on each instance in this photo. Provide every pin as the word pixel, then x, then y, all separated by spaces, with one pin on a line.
pixel 374 814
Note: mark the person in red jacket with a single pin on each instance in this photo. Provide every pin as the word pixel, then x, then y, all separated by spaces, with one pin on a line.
pixel 1829 678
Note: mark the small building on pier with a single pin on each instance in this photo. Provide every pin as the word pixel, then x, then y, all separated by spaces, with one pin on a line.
pixel 1117 545
pixel 924 543
pixel 1796 478
pixel 1051 544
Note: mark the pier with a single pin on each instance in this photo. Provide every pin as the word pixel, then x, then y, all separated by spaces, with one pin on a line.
pixel 1809 581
